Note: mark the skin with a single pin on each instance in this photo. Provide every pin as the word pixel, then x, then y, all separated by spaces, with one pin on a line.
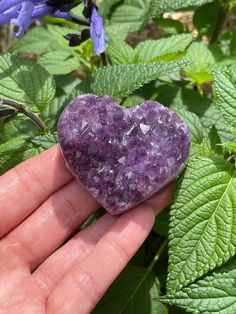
pixel 43 268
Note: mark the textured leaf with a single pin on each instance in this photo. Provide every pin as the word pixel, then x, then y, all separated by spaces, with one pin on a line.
pixel 163 6
pixel 225 90
pixel 58 33
pixel 230 146
pixel 199 70
pixel 210 145
pixel 215 293
pixel 168 57
pixel 132 293
pixel 203 222
pixel 193 122
pixel 190 99
pixel 119 81
pixel 60 62
pixel 25 82
pixel 233 131
pixel 150 49
pixel 37 41
pixel 135 13
pixel 171 27
pixel 121 53
pixel 45 141
pixel 22 148
pixel 213 116
pixel 19 126
pixel 53 112
pixel 118 31
pixel 105 7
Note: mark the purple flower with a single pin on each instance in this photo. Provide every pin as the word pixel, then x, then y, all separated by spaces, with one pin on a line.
pixel 23 13
pixel 96 31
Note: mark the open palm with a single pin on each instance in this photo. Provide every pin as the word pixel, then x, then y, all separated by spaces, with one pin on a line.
pixel 43 269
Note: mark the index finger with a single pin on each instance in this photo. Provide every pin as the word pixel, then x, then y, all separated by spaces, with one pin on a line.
pixel 25 187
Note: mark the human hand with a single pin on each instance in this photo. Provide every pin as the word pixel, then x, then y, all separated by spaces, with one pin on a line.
pixel 41 271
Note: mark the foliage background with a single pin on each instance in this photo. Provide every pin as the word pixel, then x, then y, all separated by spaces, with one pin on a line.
pixel 183 54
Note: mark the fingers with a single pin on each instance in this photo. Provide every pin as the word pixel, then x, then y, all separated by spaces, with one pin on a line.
pixel 82 287
pixel 48 227
pixel 51 272
pixel 26 186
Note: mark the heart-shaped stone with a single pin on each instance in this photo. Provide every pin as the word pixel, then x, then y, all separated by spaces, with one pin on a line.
pixel 122 156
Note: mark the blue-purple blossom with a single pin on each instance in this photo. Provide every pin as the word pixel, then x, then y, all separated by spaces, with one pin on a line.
pixel 23 13
pixel 96 31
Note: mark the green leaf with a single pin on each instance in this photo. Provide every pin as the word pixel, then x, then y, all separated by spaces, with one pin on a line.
pixel 205 18
pixel 37 41
pixel 53 112
pixel 133 100
pixel 21 148
pixel 45 141
pixel 117 31
pixel 150 49
pixel 210 145
pixel 215 293
pixel 120 81
pixel 161 225
pixel 135 13
pixel 169 26
pixel 213 116
pixel 203 225
pixel 190 99
pixel 230 146
pixel 173 56
pixel 201 57
pixel 120 52
pixel 175 5
pixel 25 82
pixel 193 122
pixel 19 126
pixel 225 90
pixel 132 293
pixel 59 62
pixel 58 33
pixel 106 6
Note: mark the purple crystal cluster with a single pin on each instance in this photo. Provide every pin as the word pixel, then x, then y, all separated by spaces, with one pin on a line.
pixel 122 156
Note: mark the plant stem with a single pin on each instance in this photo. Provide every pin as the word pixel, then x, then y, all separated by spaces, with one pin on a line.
pixel 219 24
pixel 104 59
pixel 21 109
pixel 157 256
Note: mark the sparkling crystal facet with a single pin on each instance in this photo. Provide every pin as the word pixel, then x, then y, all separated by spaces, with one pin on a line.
pixel 122 156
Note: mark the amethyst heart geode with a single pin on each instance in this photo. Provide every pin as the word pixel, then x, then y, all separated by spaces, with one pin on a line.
pixel 122 156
